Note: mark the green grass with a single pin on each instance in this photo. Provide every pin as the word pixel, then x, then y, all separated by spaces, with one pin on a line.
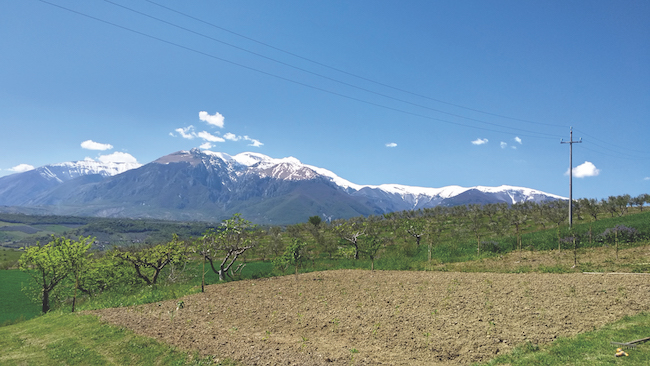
pixel 53 339
pixel 14 304
pixel 71 339
pixel 590 348
pixel 52 228
pixel 9 258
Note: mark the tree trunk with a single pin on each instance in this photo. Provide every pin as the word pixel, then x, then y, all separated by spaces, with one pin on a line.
pixel 203 276
pixel 46 300
pixel 74 297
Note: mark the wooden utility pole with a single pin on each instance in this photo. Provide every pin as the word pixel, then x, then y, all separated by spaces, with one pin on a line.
pixel 571 142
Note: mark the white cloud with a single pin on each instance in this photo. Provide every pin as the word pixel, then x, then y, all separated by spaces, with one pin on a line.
pixel 586 169
pixel 503 145
pixel 215 120
pixel 92 145
pixel 207 136
pixel 186 133
pixel 518 140
pixel 22 168
pixel 391 144
pixel 646 178
pixel 189 133
pixel 118 157
pixel 231 137
pixel 480 141
pixel 254 142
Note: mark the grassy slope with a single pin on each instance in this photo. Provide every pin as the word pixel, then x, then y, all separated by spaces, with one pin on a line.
pixel 590 348
pixel 58 338
pixel 9 258
pixel 14 304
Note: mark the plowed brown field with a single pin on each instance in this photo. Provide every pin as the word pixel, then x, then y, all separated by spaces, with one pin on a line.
pixel 385 317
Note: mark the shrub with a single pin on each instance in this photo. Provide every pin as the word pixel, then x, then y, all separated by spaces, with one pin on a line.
pixel 623 233
pixel 491 246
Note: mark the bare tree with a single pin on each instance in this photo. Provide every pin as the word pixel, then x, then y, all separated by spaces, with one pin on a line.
pixel 610 205
pixel 640 200
pixel 591 206
pixel 476 224
pixel 350 231
pixel 517 216
pixel 558 215
pixel 149 262
pixel 229 241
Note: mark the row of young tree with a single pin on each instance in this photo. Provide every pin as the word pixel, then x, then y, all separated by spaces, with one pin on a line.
pixel 225 248
pixel 95 272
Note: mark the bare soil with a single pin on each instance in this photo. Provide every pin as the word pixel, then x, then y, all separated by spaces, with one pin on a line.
pixel 599 259
pixel 385 317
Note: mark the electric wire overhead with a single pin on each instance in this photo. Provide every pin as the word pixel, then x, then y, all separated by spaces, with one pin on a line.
pixel 346 72
pixel 493 127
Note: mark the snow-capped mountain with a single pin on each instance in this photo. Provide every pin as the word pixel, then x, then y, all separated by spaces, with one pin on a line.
pixel 416 197
pixel 205 185
pixel 62 172
pixel 17 189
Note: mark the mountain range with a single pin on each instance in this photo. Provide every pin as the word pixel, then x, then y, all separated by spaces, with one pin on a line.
pixel 210 186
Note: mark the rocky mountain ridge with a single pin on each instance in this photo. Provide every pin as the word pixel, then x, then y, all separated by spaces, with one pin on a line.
pixel 206 185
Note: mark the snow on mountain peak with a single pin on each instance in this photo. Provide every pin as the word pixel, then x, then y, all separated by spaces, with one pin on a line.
pixel 72 169
pixel 290 168
pixel 89 166
pixel 250 159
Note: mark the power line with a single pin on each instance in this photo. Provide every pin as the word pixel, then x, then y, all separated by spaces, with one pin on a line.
pixel 628 157
pixel 320 75
pixel 613 145
pixel 352 74
pixel 550 136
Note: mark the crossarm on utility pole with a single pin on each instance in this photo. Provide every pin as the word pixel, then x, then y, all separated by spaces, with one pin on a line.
pixel 571 142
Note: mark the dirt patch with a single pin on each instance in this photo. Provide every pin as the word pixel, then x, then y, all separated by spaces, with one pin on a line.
pixel 385 317
pixel 600 259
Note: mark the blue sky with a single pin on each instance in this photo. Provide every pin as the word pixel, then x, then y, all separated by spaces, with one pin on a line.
pixel 421 93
